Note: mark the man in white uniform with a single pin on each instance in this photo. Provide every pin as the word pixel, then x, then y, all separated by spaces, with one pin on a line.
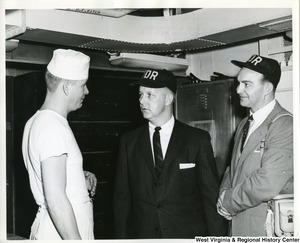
pixel 52 157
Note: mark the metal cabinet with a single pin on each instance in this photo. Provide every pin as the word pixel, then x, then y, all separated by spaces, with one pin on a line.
pixel 23 98
pixel 110 109
pixel 214 107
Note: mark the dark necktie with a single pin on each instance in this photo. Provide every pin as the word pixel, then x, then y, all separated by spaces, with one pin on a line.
pixel 158 156
pixel 245 131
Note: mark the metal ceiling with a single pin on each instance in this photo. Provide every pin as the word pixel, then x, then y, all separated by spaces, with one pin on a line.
pixel 229 37
pixel 200 37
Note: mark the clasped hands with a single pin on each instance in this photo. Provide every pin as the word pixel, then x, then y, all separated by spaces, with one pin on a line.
pixel 221 210
pixel 91 182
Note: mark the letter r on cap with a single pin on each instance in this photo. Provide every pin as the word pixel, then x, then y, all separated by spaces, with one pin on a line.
pixel 151 74
pixel 256 60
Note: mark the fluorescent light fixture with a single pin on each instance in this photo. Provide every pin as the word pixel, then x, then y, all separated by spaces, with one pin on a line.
pixel 134 60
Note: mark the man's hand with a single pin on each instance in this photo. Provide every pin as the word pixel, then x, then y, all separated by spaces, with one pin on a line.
pixel 221 210
pixel 91 182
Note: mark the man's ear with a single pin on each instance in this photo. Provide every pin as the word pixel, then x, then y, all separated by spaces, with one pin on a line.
pixel 66 87
pixel 268 88
pixel 169 98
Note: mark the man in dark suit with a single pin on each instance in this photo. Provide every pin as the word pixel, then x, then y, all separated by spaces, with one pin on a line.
pixel 166 187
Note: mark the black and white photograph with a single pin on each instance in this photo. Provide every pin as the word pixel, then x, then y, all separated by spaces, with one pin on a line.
pixel 175 121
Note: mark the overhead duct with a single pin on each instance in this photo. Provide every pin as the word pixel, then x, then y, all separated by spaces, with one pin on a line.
pixel 198 30
pixel 279 25
pixel 226 37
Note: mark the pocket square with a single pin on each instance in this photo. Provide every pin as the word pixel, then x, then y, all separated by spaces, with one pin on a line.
pixel 186 165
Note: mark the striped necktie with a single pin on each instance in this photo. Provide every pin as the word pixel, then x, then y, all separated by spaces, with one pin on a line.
pixel 158 156
pixel 245 131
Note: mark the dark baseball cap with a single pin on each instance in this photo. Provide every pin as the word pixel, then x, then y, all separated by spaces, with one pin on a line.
pixel 267 66
pixel 158 79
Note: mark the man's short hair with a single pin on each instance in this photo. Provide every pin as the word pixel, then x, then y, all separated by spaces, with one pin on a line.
pixel 52 81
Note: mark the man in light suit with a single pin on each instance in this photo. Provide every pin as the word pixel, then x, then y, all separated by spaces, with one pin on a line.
pixel 262 168
pixel 173 194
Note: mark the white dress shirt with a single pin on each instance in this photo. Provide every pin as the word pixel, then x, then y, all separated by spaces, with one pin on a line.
pixel 165 135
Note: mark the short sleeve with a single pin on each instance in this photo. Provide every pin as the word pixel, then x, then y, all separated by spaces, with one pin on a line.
pixel 52 141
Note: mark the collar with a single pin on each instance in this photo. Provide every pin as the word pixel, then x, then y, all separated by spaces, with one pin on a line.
pixel 168 125
pixel 263 112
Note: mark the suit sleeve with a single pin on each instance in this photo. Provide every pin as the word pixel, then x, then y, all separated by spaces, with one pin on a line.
pixel 225 185
pixel 122 198
pixel 275 172
pixel 209 183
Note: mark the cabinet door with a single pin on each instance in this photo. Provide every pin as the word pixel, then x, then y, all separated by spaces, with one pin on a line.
pixel 214 107
pixel 110 109
pixel 9 158
pixel 23 99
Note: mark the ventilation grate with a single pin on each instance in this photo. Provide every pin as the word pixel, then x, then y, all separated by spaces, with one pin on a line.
pixel 202 100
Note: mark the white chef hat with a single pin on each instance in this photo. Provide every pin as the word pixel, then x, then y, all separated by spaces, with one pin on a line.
pixel 69 64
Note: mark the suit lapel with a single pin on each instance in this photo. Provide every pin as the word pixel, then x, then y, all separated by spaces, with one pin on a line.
pixel 237 145
pixel 145 148
pixel 257 136
pixel 175 143
pixel 173 147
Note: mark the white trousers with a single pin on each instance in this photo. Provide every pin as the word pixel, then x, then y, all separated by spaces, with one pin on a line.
pixel 44 229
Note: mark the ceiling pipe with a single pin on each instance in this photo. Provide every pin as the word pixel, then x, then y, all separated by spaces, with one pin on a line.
pixel 115 13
